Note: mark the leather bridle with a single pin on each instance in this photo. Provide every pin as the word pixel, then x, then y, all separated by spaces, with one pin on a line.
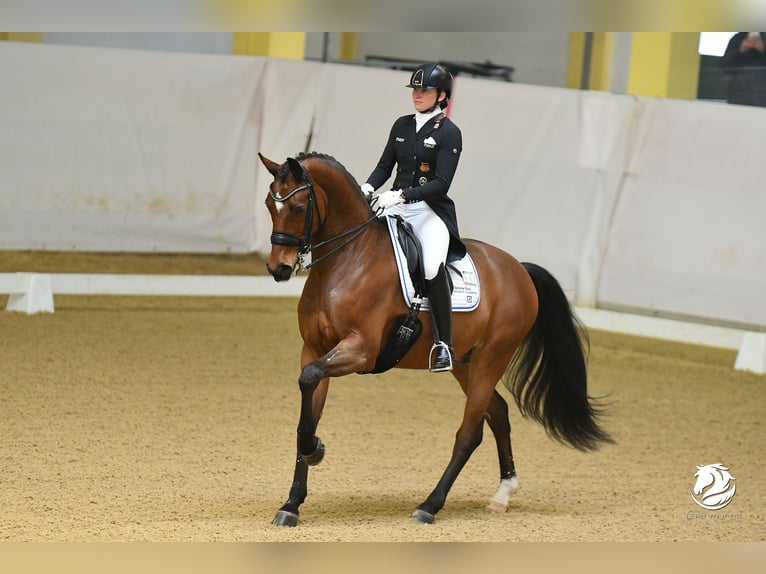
pixel 304 243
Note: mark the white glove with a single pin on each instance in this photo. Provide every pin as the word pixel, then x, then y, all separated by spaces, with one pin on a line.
pixel 367 190
pixel 390 198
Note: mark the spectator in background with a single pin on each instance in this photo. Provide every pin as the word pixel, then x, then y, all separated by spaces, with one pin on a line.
pixel 745 63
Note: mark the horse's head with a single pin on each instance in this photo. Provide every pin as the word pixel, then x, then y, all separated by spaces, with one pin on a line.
pixel 715 485
pixel 318 212
pixel 709 474
pixel 704 476
pixel 291 202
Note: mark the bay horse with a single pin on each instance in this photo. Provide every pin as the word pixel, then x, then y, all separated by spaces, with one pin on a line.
pixel 523 332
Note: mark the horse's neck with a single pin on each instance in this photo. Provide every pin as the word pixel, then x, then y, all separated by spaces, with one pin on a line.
pixel 343 213
pixel 345 207
pixel 339 221
pixel 347 210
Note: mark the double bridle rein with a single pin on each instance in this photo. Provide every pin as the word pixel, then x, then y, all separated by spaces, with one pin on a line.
pixel 304 243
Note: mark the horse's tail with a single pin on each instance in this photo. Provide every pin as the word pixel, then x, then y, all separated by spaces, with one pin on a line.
pixel 548 376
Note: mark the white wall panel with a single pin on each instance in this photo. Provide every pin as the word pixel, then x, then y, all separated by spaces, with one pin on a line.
pixel 688 236
pixel 638 203
pixel 108 150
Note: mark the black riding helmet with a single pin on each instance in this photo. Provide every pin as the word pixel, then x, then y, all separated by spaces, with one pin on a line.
pixel 432 76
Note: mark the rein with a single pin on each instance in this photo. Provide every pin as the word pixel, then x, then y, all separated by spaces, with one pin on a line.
pixel 304 243
pixel 354 233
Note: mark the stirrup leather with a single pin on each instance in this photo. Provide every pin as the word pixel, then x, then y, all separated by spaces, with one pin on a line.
pixel 434 347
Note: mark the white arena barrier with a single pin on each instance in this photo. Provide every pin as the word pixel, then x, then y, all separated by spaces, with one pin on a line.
pixel 752 353
pixel 33 293
pixel 28 292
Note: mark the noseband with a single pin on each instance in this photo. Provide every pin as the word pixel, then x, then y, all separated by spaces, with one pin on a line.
pixel 304 243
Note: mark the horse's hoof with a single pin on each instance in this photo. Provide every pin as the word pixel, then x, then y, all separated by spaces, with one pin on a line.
pixel 285 518
pixel 315 457
pixel 498 507
pixel 421 516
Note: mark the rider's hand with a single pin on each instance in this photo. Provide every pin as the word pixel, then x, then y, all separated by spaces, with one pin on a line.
pixel 390 198
pixel 367 190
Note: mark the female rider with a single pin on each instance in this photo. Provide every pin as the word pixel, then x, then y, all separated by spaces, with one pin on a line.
pixel 426 148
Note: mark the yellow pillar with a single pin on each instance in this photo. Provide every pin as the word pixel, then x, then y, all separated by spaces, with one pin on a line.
pixel 664 64
pixel 287 45
pixel 601 61
pixel 22 36
pixel 347 49
pixel 598 62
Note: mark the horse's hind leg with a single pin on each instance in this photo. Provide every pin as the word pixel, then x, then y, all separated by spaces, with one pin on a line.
pixel 478 384
pixel 468 438
pixel 478 379
pixel 497 418
pixel 499 422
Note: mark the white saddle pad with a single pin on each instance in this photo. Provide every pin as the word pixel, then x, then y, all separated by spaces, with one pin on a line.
pixel 466 292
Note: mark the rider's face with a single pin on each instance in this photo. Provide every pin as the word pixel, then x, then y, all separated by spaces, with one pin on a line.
pixel 424 98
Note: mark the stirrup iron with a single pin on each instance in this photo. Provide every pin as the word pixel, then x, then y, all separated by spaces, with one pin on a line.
pixel 434 347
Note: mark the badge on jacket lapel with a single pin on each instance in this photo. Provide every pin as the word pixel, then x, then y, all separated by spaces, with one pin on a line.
pixel 424 167
pixel 423 180
pixel 429 142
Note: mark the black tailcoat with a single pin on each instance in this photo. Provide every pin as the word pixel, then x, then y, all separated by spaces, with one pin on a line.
pixel 425 165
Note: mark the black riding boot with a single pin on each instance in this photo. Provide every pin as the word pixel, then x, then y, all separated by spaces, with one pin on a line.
pixel 440 298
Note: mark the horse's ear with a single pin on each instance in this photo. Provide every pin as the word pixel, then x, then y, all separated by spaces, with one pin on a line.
pixel 295 168
pixel 271 166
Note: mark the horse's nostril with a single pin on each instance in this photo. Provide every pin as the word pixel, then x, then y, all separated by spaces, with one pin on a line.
pixel 283 272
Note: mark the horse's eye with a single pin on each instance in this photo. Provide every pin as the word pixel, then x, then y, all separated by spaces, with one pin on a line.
pixel 300 208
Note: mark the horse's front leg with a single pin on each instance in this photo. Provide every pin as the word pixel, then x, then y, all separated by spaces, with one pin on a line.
pixel 314 384
pixel 312 403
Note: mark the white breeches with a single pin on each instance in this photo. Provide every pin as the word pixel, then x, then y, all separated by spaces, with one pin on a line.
pixel 430 231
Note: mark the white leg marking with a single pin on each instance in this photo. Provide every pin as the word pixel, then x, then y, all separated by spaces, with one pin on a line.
pixel 499 502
